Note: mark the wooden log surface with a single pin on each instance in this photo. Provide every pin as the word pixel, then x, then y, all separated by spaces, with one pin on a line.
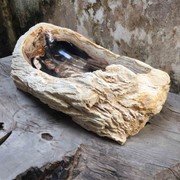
pixel 41 135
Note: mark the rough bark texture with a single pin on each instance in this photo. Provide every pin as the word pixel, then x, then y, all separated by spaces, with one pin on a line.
pixel 115 103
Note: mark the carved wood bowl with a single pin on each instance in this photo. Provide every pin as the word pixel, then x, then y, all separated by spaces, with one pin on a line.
pixel 112 95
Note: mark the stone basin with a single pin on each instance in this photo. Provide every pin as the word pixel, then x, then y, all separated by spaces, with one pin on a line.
pixel 111 95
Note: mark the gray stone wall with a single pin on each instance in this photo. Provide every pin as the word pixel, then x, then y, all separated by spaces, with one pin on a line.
pixel 148 30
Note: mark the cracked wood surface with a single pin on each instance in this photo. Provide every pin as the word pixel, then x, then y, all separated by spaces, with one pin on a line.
pixel 41 135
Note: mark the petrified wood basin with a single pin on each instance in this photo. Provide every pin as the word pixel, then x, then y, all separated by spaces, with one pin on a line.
pixel 111 95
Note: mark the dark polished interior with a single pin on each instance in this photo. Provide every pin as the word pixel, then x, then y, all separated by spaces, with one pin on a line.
pixel 64 59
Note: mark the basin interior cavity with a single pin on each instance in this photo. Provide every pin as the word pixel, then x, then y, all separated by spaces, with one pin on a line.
pixel 61 58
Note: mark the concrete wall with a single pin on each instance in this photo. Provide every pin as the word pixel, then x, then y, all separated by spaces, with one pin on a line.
pixel 148 30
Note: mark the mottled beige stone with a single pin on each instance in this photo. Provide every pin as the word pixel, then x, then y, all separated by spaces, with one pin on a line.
pixel 115 103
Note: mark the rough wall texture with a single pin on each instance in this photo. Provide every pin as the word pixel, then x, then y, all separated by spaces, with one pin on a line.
pixel 4 45
pixel 144 29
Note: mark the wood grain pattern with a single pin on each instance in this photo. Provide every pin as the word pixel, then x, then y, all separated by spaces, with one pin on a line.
pixel 155 151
